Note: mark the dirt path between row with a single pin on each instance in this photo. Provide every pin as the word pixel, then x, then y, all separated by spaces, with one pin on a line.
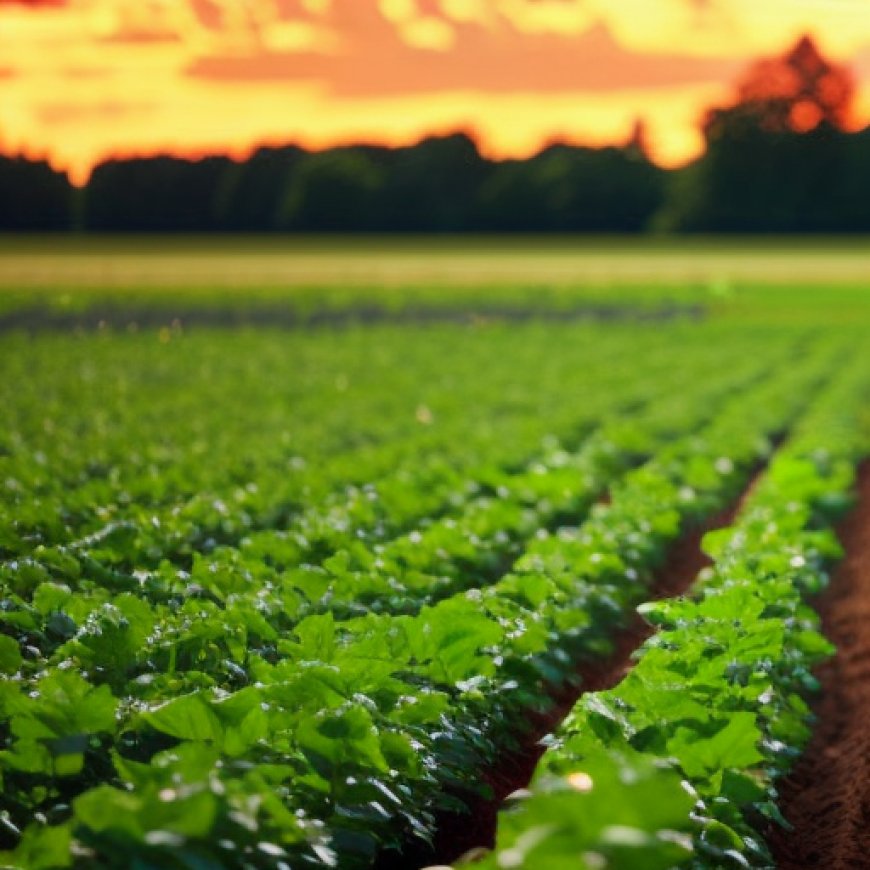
pixel 827 796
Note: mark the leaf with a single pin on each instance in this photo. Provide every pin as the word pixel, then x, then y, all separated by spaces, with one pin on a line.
pixel 715 542
pixel 189 813
pixel 814 645
pixel 423 707
pixel 41 848
pixel 238 739
pixel 188 718
pixel 627 810
pixel 106 808
pixel 10 655
pixel 341 738
pixel 65 705
pixel 741 788
pixel 451 637
pixel 51 597
pixel 735 745
pixel 316 635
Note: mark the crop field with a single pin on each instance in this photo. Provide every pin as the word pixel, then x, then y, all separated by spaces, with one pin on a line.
pixel 487 574
pixel 253 263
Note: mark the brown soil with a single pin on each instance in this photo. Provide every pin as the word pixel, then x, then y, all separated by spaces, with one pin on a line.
pixel 461 833
pixel 827 796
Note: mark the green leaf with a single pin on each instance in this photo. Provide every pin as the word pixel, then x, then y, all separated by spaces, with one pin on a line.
pixel 451 638
pixel 336 739
pixel 734 745
pixel 139 816
pixel 189 718
pixel 316 635
pixel 51 597
pixel 41 848
pixel 65 705
pixel 741 788
pixel 10 655
pixel 238 739
pixel 629 811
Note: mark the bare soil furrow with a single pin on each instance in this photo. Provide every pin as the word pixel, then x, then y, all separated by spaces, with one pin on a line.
pixel 827 796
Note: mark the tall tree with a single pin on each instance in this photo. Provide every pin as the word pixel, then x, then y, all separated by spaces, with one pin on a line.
pixel 775 159
pixel 331 191
pixel 797 92
pixel 433 186
pixel 154 194
pixel 33 196
pixel 572 189
pixel 250 194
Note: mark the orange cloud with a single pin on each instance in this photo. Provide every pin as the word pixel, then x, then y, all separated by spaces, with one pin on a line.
pixel 386 64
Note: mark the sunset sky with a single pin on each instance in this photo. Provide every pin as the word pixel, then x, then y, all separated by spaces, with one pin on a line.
pixel 85 79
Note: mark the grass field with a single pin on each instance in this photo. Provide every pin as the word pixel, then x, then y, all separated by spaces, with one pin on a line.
pixel 313 553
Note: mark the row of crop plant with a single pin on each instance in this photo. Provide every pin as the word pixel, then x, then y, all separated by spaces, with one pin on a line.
pixel 184 724
pixel 474 546
pixel 678 764
pixel 123 445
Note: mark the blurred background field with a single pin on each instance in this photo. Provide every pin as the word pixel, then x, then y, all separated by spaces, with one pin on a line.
pixel 155 280
pixel 276 262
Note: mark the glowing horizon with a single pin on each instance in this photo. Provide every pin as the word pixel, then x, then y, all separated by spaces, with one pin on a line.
pixel 85 80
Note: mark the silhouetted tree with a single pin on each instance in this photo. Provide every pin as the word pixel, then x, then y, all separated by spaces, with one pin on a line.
pixel 775 160
pixel 570 189
pixel 250 193
pixel 331 190
pixel 154 194
pixel 33 196
pixel 849 187
pixel 433 186
pixel 794 93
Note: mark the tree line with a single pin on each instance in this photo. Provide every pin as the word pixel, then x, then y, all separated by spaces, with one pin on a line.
pixel 780 158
